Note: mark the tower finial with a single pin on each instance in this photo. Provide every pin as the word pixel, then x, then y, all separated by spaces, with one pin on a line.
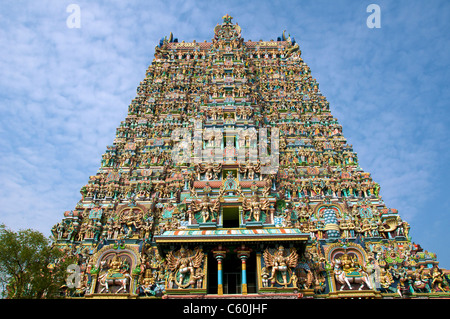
pixel 227 18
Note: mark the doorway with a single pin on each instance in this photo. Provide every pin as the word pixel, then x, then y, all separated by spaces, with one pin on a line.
pixel 232 270
pixel 232 283
pixel 230 217
pixel 232 274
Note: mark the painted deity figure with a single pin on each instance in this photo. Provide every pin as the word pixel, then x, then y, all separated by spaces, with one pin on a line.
pixel 280 263
pixel 185 267
pixel 420 280
pixel 255 206
pixel 347 270
pixel 206 207
pixel 116 275
pixel 249 169
pixel 265 277
pixel 198 278
pixel 210 170
pixel 438 283
pixel 115 265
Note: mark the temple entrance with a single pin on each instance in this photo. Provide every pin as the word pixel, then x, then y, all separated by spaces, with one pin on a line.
pixel 232 274
pixel 232 283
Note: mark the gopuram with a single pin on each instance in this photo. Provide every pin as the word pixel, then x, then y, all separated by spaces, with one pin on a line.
pixel 230 176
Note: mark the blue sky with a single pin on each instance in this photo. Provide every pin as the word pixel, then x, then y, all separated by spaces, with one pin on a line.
pixel 64 91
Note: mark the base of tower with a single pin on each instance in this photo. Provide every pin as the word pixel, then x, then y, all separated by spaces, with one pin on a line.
pixel 238 296
pixel 110 296
pixel 355 294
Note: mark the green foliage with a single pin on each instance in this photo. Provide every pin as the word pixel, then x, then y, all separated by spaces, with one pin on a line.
pixel 29 266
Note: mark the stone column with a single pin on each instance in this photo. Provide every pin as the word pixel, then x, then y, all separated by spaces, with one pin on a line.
pixel 219 275
pixel 244 275
pixel 243 253
pixel 219 253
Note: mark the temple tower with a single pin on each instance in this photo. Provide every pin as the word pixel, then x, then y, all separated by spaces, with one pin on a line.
pixel 228 176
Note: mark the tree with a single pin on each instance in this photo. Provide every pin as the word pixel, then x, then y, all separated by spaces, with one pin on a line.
pixel 30 267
